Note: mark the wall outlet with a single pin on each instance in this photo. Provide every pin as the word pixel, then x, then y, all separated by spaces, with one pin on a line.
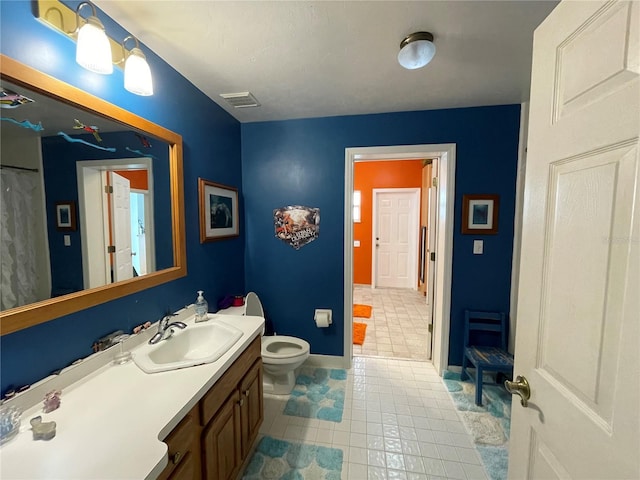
pixel 478 247
pixel 356 243
pixel 67 240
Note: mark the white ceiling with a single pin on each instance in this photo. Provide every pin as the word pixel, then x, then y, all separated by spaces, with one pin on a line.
pixel 324 58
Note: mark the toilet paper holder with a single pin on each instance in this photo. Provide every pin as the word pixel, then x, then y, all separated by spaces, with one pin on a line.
pixel 322 317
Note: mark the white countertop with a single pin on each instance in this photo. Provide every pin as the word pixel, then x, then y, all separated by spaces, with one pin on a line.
pixel 110 423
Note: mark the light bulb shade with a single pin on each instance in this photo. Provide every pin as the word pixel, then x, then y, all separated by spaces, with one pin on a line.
pixel 137 74
pixel 93 50
pixel 416 50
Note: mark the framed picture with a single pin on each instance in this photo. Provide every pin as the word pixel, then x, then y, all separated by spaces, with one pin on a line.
pixel 480 214
pixel 66 216
pixel 218 211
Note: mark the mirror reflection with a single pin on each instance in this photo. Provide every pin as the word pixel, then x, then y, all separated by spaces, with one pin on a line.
pixel 84 202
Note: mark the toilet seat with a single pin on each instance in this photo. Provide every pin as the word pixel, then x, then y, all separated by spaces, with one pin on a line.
pixel 281 349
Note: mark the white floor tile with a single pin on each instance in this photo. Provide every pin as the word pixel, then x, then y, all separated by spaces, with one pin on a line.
pixel 454 470
pixel 398 422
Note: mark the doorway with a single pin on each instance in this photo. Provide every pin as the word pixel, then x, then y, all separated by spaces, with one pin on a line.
pixel 101 225
pixel 444 241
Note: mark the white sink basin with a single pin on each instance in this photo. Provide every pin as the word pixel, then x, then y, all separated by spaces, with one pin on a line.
pixel 197 344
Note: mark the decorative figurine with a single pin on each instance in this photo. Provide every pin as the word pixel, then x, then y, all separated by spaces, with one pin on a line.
pixel 87 128
pixel 51 401
pixel 42 430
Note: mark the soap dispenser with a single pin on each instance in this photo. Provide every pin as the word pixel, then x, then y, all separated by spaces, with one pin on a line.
pixel 202 308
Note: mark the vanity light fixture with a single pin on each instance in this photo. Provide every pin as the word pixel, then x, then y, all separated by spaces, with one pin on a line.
pixel 137 74
pixel 416 50
pixel 93 50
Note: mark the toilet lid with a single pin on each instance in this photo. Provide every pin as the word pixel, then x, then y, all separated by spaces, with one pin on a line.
pixel 253 305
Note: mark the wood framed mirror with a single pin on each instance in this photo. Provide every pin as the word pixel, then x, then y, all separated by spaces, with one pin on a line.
pixel 34 313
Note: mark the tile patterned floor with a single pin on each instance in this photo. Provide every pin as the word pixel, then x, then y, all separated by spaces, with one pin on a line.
pixel 399 422
pixel 398 327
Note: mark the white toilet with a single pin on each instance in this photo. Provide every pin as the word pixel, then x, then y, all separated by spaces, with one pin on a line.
pixel 281 354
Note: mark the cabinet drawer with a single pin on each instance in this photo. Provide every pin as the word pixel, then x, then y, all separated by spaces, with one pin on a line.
pixel 182 446
pixel 216 396
pixel 186 469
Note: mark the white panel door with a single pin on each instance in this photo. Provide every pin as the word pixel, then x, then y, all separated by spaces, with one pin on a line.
pixel 395 243
pixel 121 227
pixel 578 338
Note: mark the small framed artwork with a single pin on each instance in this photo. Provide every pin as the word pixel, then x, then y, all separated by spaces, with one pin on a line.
pixel 66 216
pixel 218 211
pixel 480 214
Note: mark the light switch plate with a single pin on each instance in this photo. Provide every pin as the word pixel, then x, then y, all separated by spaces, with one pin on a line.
pixel 478 247
pixel 356 243
pixel 67 240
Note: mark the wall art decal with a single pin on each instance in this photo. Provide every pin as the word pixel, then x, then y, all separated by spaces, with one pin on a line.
pixel 296 225
pixel 87 128
pixel 138 152
pixel 9 99
pixel 77 140
pixel 144 140
pixel 25 124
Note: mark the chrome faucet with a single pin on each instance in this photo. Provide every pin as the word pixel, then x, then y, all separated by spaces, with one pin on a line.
pixel 166 329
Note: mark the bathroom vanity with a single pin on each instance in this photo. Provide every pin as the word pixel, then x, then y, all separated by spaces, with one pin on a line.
pixel 119 422
pixel 215 437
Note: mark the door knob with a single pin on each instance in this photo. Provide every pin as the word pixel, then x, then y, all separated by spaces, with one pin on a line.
pixel 519 387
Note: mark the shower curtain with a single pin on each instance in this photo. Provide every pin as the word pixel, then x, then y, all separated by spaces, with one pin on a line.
pixel 18 273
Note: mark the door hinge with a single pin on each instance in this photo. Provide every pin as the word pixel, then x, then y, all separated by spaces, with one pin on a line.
pixel 432 256
pixel 111 249
pixel 434 182
pixel 108 189
pixel 431 328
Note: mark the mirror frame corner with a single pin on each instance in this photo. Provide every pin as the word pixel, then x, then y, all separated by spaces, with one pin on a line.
pixel 26 316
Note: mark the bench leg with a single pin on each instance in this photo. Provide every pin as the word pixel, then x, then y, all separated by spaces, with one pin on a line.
pixel 465 364
pixel 479 386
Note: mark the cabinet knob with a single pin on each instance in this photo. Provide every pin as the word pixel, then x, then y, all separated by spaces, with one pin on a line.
pixel 246 392
pixel 241 402
pixel 176 457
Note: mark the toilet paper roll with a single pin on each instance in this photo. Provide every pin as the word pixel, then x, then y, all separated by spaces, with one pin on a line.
pixel 322 319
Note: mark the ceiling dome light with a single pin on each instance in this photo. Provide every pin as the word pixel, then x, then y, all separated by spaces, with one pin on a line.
pixel 137 74
pixel 416 50
pixel 93 50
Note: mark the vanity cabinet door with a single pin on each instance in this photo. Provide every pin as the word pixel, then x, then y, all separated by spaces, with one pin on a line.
pixel 251 408
pixel 221 441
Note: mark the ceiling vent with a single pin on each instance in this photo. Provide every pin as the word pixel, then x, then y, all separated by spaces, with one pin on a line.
pixel 240 100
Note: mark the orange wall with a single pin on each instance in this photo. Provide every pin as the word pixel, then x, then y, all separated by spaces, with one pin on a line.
pixel 137 178
pixel 366 177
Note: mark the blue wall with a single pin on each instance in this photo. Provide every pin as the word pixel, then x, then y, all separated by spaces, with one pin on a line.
pixel 211 150
pixel 302 162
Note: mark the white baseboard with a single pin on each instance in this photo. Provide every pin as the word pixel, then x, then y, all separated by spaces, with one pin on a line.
pixel 327 361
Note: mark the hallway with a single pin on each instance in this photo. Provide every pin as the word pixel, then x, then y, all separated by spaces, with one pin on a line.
pixel 398 327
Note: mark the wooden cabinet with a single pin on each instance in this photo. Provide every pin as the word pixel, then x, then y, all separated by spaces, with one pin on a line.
pixel 184 449
pixel 223 425
pixel 232 412
pixel 220 441
pixel 251 407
